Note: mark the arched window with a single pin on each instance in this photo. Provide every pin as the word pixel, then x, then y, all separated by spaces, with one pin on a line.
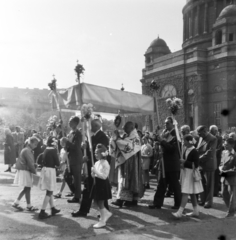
pixel 168 91
pixel 218 37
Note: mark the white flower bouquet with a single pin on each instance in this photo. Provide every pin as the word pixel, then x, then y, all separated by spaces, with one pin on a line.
pixel 174 104
pixel 87 110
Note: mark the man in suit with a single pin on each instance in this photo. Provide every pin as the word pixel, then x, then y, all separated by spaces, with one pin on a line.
pixel 98 137
pixel 228 176
pixel 207 161
pixel 214 131
pixel 171 159
pixel 73 146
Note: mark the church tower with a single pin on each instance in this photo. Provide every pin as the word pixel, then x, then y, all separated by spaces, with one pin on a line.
pixel 203 73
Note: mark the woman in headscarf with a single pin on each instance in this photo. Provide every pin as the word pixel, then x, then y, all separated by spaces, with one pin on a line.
pixel 9 150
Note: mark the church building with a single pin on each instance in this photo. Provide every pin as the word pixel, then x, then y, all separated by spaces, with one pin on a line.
pixel 203 73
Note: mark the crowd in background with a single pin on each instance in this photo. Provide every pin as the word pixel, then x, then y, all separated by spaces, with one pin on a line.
pixel 175 164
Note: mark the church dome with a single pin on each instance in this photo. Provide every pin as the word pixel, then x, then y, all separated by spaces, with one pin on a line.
pixel 158 46
pixel 229 11
pixel 158 43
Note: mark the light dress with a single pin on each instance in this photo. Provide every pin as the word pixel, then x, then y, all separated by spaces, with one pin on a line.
pixel 188 186
pixel 25 168
pixel 48 174
pixel 23 178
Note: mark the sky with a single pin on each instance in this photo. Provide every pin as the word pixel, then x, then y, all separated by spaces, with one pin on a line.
pixel 40 38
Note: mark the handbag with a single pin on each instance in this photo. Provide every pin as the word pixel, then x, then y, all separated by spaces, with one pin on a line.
pixel 196 174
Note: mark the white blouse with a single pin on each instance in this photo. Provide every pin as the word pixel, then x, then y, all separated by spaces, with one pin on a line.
pixel 102 168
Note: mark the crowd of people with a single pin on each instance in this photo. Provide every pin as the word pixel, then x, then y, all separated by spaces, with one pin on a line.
pixel 198 167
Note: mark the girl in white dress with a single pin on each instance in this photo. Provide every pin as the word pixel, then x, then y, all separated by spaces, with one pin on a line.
pixel 25 168
pixel 188 185
pixel 48 177
pixel 101 190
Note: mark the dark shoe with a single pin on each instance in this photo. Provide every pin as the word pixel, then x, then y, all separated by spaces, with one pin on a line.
pixel 127 203
pixel 43 215
pixel 57 195
pixel 168 194
pixel 134 203
pixel 174 207
pixel 73 200
pixel 69 195
pixel 207 206
pixel 201 204
pixel 228 215
pixel 8 170
pixel 153 206
pixel 118 203
pixel 54 211
pixel 147 186
pixel 78 214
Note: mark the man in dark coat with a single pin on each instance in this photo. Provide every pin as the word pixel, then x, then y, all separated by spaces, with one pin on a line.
pixel 214 131
pixel 171 161
pixel 98 137
pixel 74 150
pixel 207 161
pixel 228 177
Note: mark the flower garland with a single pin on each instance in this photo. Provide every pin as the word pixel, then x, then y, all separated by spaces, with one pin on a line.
pixel 87 110
pixel 174 104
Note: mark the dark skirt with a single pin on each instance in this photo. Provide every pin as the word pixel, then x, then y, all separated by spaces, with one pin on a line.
pixel 101 189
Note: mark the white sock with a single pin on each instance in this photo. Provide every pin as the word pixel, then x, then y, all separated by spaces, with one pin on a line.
pixel 51 202
pixel 16 202
pixel 181 209
pixel 195 209
pixel 28 205
pixel 102 212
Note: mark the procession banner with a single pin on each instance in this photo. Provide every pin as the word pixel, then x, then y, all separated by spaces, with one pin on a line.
pixel 123 149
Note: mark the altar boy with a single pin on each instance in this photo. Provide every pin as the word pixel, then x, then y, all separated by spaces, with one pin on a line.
pixel 228 176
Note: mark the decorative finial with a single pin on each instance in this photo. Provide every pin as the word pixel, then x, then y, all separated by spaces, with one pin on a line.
pixel 79 69
pixel 158 36
pixel 122 88
pixel 53 84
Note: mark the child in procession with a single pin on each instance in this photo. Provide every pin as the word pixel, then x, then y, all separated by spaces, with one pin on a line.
pixel 48 177
pixel 102 189
pixel 189 164
pixel 25 168
pixel 64 161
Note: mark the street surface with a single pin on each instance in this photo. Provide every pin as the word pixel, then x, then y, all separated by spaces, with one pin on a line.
pixel 126 223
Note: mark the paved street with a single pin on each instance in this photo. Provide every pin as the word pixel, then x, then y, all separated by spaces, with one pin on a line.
pixel 126 223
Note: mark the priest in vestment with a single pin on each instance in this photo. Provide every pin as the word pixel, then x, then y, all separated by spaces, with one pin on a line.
pixel 127 151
